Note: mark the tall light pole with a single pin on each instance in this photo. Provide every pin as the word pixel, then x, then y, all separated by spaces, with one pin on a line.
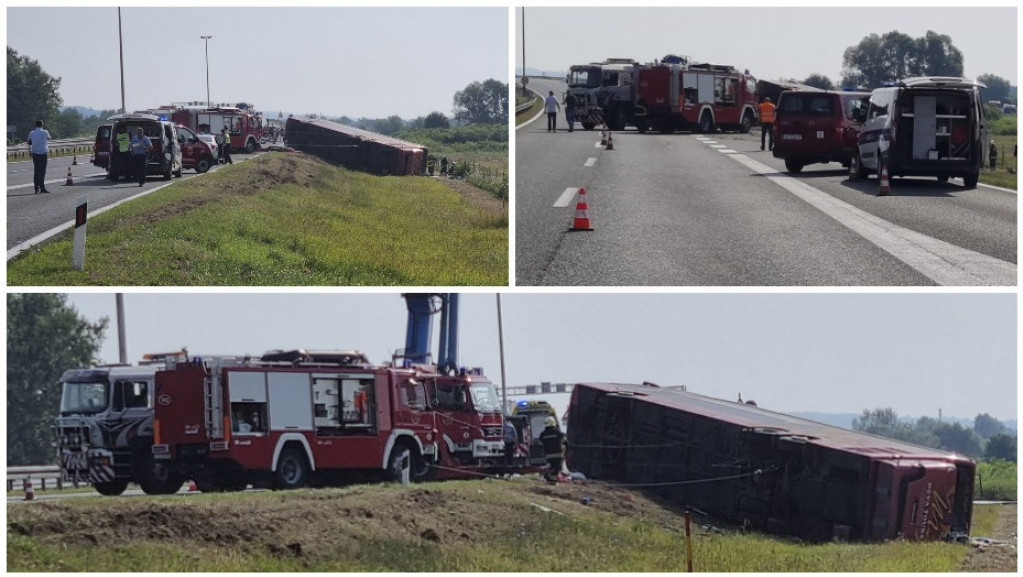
pixel 207 39
pixel 120 47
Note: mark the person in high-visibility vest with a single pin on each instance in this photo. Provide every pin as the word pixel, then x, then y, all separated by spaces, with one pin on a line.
pixel 767 123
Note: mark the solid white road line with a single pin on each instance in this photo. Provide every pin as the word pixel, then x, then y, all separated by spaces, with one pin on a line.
pixel 566 197
pixel 727 151
pixel 590 161
pixel 940 261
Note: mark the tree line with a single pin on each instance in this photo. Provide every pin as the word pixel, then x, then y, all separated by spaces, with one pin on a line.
pixel 882 58
pixel 988 439
pixel 33 95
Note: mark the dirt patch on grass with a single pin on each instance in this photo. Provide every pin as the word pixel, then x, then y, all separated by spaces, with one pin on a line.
pixel 477 197
pixel 996 554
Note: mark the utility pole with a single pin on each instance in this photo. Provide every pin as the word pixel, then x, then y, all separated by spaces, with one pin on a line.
pixel 524 91
pixel 207 39
pixel 500 345
pixel 122 339
pixel 120 44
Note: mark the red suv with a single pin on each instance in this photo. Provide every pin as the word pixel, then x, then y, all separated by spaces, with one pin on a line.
pixel 818 126
pixel 101 148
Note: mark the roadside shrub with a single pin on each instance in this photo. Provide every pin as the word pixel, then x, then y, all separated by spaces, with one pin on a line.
pixel 996 480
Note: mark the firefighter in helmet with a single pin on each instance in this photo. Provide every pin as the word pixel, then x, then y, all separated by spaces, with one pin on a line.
pixel 554 443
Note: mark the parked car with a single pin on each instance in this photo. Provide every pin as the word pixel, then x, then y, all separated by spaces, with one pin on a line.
pixel 164 159
pixel 195 153
pixel 211 140
pixel 101 148
pixel 817 126
pixel 927 126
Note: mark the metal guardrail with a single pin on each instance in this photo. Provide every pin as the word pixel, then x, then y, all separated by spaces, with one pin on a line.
pixel 57 148
pixel 40 473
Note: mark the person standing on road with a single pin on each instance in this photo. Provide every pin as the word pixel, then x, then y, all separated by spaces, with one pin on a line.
pixel 141 146
pixel 552 108
pixel 39 146
pixel 993 154
pixel 570 103
pixel 225 148
pixel 767 123
pixel 554 442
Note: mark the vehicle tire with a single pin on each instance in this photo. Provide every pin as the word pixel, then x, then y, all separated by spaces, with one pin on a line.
pixel 642 126
pixel 292 470
pixel 399 454
pixel 861 171
pixel 203 164
pixel 942 179
pixel 110 488
pixel 616 121
pixel 970 180
pixel 793 166
pixel 747 122
pixel 706 124
pixel 113 175
pixel 666 127
pixel 589 125
pixel 157 478
pixel 250 146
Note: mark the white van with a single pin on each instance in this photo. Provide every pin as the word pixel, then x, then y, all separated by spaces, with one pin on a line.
pixel 929 126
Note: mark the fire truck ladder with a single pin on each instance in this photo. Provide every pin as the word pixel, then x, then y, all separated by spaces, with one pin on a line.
pixel 214 402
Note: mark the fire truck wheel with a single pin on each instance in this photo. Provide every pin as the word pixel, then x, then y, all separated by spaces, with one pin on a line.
pixel 110 488
pixel 706 123
pixel 158 479
pixel 292 470
pixel 747 122
pixel 250 146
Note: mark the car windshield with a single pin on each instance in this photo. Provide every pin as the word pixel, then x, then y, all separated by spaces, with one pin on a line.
pixel 84 397
pixel 484 398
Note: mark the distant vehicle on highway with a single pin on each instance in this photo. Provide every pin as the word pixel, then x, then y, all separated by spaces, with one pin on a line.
pixel 101 148
pixel 818 126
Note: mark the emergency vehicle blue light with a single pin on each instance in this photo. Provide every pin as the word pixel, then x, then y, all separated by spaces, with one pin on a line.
pixel 164 118
pixel 523 403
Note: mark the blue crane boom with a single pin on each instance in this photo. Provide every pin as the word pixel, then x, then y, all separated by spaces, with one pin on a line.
pixel 421 308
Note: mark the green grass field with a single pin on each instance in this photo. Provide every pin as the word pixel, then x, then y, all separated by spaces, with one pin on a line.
pixel 458 526
pixel 284 219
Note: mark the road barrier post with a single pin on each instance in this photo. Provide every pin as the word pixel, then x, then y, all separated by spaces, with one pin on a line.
pixel 78 250
pixel 689 544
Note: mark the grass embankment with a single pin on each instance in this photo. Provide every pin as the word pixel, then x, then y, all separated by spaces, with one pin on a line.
pixel 518 526
pixel 1001 176
pixel 284 219
pixel 477 153
pixel 528 113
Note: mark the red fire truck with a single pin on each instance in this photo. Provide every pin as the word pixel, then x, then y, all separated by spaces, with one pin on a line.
pixel 291 415
pixel 245 126
pixel 672 96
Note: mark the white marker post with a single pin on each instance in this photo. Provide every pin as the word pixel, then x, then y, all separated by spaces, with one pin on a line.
pixel 78 251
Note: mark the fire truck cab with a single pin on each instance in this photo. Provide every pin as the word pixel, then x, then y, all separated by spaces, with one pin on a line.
pixel 294 417
pixel 105 429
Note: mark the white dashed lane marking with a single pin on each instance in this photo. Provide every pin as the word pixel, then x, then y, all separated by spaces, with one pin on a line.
pixel 566 197
pixel 590 161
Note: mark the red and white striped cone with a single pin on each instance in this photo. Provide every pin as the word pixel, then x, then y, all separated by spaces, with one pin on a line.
pixel 603 136
pixel 581 221
pixel 30 493
pixel 854 166
pixel 610 141
pixel 69 181
pixel 885 188
pixel 74 161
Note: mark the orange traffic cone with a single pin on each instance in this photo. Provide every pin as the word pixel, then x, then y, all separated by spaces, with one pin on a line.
pixel 885 188
pixel 192 486
pixel 581 222
pixel 74 161
pixel 69 181
pixel 610 142
pixel 30 493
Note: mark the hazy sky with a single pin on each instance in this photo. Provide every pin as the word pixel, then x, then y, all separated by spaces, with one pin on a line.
pixel 771 42
pixel 372 62
pixel 837 353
